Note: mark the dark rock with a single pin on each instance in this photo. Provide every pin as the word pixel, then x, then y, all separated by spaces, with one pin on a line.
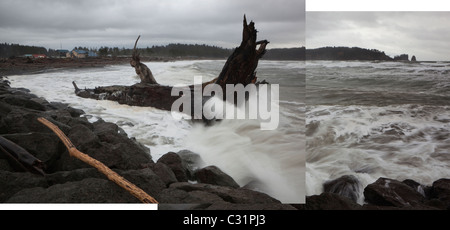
pixel 112 149
pixel 401 57
pixel 174 162
pixel 389 192
pixel 22 121
pixel 102 127
pixel 62 177
pixel 89 190
pixel 177 196
pixel 213 197
pixel 330 201
pixel 81 136
pixel 4 165
pixel 12 182
pixel 87 186
pixel 441 191
pixel 347 186
pixel 422 189
pixel 413 58
pixel 231 195
pixel 23 101
pixel 5 108
pixel 164 172
pixel 145 179
pixel 191 162
pixel 256 206
pixel 213 175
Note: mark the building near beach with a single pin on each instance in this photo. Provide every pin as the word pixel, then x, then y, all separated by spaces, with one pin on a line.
pixel 79 53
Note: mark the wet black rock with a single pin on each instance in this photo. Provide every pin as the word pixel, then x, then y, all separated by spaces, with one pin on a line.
pixel 389 192
pixel 213 175
pixel 215 197
pixel 191 162
pixel 383 194
pixel 440 190
pixel 330 201
pixel 347 186
pixel 174 162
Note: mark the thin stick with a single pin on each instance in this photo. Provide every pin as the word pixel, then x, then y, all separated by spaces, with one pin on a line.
pixel 113 176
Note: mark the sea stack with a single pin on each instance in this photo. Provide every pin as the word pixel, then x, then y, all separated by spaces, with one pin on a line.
pixel 413 58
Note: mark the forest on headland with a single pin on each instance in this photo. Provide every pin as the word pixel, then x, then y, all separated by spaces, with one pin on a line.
pixel 207 51
pixel 170 50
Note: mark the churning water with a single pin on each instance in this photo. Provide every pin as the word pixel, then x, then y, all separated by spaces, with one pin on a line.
pixel 373 119
pixel 270 161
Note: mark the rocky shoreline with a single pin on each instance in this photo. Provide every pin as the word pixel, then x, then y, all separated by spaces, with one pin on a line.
pixel 174 180
pixel 68 180
pixel 384 194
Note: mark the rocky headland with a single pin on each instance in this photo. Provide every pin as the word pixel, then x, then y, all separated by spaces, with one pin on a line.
pixel 173 180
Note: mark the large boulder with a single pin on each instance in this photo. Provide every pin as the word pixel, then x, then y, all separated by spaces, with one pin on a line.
pixel 191 162
pixel 347 186
pixel 441 191
pixel 330 201
pixel 389 192
pixel 214 197
pixel 213 175
pixel 174 162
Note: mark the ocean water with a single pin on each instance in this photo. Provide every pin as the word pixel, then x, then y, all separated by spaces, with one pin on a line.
pixel 270 161
pixel 377 119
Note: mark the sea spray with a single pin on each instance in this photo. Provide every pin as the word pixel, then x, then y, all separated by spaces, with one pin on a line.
pixel 262 159
pixel 272 161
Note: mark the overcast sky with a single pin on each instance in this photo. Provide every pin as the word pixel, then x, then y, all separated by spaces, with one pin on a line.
pixel 118 22
pixel 423 34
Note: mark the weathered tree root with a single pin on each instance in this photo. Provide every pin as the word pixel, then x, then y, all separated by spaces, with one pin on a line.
pixel 141 69
pixel 239 69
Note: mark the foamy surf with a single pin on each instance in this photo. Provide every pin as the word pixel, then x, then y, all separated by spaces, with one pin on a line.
pixel 268 161
pixel 371 120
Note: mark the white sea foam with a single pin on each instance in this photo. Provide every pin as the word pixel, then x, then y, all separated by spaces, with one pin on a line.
pixel 270 161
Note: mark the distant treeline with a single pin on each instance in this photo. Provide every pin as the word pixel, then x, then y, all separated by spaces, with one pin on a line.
pixel 12 50
pixel 170 50
pixel 353 53
pixel 207 51
pixel 202 51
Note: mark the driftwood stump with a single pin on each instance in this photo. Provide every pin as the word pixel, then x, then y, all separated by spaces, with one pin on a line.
pixel 239 69
pixel 141 69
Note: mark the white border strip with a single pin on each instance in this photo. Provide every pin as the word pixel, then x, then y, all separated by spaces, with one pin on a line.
pixel 79 206
pixel 377 5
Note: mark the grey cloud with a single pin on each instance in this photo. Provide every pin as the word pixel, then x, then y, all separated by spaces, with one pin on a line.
pixel 424 34
pixel 103 22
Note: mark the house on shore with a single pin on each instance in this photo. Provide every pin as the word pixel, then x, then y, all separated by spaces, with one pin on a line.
pixel 82 54
pixel 79 53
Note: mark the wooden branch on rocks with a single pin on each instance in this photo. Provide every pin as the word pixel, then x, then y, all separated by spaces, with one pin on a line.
pixel 110 174
pixel 239 69
pixel 20 158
